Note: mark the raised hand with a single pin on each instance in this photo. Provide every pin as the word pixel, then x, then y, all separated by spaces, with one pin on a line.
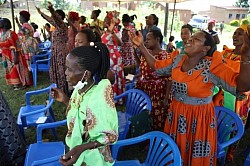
pixel 245 49
pixel 137 40
pixel 50 5
pixel 111 26
pixel 38 10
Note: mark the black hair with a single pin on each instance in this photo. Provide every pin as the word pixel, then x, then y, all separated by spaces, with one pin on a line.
pixel 171 38
pixel 47 24
pixel 97 12
pixel 5 24
pixel 93 58
pixel 34 25
pixel 90 34
pixel 83 18
pixel 157 33
pixel 188 27
pixel 209 42
pixel 156 19
pixel 61 13
pixel 126 18
pixel 133 17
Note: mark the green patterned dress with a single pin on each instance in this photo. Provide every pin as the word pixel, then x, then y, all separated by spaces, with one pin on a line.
pixel 93 117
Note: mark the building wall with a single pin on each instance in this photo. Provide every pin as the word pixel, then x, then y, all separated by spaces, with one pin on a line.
pixel 222 13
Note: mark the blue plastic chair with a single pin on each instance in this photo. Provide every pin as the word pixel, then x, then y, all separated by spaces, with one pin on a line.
pixel 29 114
pixel 229 130
pixel 45 45
pixel 45 153
pixel 137 101
pixel 162 150
pixel 40 62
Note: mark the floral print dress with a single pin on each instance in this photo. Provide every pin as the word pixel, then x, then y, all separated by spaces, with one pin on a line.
pixel 116 64
pixel 191 119
pixel 93 117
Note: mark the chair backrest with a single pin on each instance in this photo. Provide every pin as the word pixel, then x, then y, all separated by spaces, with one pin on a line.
pixel 230 128
pixel 162 149
pixel 47 44
pixel 136 101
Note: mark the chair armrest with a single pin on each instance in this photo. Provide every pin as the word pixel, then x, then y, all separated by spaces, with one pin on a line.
pixel 44 60
pixel 41 127
pixel 46 161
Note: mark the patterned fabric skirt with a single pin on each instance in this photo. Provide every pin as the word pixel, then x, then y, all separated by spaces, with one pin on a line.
pixel 194 130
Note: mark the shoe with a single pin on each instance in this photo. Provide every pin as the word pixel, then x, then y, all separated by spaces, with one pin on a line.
pixel 19 88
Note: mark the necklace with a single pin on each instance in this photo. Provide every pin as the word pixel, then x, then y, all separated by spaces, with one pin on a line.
pixel 82 93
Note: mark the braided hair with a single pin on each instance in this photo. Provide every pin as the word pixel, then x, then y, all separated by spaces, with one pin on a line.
pixel 209 42
pixel 93 58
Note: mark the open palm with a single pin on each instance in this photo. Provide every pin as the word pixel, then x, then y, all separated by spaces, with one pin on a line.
pixel 137 40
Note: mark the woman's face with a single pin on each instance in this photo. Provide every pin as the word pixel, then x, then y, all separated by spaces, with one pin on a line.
pixel 195 45
pixel 21 19
pixel 81 40
pixel 73 72
pixel 150 20
pixel 93 15
pixel 210 26
pixel 238 37
pixel 151 41
pixel 185 34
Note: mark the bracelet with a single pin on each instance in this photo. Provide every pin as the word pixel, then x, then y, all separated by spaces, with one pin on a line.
pixel 245 62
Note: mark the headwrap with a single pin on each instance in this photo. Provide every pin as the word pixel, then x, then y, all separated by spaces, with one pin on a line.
pixel 113 15
pixel 244 27
pixel 74 15
pixel 25 14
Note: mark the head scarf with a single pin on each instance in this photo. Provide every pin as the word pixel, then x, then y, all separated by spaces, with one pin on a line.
pixel 74 15
pixel 114 15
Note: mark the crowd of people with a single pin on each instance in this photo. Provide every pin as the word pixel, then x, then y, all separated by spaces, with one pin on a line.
pixel 89 64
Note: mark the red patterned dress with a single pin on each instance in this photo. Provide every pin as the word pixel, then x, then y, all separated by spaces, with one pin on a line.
pixel 155 87
pixel 127 50
pixel 59 52
pixel 15 74
pixel 115 63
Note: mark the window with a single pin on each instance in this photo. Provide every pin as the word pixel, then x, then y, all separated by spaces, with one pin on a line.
pixel 237 16
pixel 243 16
pixel 230 15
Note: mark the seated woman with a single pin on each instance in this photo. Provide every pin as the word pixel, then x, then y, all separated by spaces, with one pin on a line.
pixel 91 114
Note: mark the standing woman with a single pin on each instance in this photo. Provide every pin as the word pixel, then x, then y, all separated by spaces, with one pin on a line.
pixel 148 81
pixel 151 24
pixel 59 47
pixel 74 26
pixel 26 32
pixel 16 68
pixel 111 39
pixel 127 50
pixel 191 119
pixel 96 24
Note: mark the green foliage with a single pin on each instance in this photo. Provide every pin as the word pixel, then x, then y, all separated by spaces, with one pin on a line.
pixel 244 21
pixel 58 4
pixel 235 23
pixel 242 3
pixel 2 2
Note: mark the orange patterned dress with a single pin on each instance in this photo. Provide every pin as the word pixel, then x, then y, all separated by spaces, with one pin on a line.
pixel 155 87
pixel 191 119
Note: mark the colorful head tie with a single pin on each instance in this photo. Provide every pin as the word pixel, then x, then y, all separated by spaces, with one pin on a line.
pixel 74 15
pixel 114 15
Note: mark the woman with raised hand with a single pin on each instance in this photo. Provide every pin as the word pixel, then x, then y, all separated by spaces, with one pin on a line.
pixel 91 115
pixel 191 119
pixel 59 46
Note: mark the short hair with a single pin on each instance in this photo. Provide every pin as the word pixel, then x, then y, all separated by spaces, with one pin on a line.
pixel 34 25
pixel 83 18
pixel 61 13
pixel 209 42
pixel 126 18
pixel 188 27
pixel 90 34
pixel 5 24
pixel 25 14
pixel 157 33
pixel 171 38
pixel 97 12
pixel 47 24
pixel 156 19
pixel 93 58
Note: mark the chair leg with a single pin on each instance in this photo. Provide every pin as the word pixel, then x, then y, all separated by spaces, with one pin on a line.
pixel 34 74
pixel 22 131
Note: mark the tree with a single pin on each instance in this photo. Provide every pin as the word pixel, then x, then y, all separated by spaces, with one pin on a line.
pixel 2 2
pixel 242 3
